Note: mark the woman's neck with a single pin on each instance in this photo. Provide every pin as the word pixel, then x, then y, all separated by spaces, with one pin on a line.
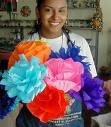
pixel 51 35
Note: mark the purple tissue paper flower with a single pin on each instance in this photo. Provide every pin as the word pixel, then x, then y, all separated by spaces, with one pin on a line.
pixel 93 93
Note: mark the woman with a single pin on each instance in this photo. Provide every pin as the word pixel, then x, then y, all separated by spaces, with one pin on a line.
pixel 52 16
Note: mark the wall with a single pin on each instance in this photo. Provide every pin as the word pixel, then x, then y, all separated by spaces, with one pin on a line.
pixel 104 39
pixel 20 4
pixel 104 36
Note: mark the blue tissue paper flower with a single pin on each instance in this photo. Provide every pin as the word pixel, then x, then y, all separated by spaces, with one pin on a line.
pixel 25 79
pixel 7 104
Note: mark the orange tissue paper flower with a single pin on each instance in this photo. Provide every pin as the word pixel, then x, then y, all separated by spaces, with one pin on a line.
pixel 49 104
pixel 30 48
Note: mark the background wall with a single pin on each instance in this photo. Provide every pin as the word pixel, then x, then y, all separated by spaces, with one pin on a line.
pixel 104 38
pixel 20 4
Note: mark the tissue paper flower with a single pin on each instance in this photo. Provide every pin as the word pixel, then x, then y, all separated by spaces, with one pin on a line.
pixel 75 95
pixel 71 52
pixel 30 48
pixel 64 74
pixel 24 79
pixel 48 105
pixel 93 93
pixel 6 104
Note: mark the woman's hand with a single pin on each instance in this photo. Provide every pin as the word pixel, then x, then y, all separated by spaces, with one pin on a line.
pixel 107 87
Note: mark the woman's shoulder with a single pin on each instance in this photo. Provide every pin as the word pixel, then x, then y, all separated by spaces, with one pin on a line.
pixel 32 37
pixel 79 40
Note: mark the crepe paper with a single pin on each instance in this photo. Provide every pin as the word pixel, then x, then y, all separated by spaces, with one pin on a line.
pixel 64 74
pixel 48 105
pixel 25 79
pixel 39 49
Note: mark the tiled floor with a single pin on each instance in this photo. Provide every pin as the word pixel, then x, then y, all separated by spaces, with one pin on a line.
pixel 103 120
pixel 9 120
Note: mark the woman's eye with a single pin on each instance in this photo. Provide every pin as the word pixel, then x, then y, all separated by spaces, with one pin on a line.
pixel 47 10
pixel 62 11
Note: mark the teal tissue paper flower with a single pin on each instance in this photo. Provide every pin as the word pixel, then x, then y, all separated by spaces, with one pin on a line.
pixel 25 79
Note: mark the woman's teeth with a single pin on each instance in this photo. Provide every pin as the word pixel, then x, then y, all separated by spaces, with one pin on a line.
pixel 55 24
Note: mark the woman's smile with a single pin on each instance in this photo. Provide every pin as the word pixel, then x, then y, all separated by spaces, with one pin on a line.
pixel 54 23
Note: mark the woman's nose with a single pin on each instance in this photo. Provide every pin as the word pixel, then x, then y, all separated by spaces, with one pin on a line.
pixel 55 15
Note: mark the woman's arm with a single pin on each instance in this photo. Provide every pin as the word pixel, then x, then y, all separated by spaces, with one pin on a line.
pixel 85 51
pixel 107 87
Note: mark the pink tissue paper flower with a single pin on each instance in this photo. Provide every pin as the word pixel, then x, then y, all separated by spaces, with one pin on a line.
pixel 64 74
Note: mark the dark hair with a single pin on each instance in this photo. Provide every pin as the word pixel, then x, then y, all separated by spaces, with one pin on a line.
pixel 39 2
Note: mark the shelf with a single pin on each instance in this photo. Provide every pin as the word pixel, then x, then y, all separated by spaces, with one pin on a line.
pixel 17 23
pixel 5 55
pixel 80 28
pixel 82 8
pixel 82 4
pixel 8 27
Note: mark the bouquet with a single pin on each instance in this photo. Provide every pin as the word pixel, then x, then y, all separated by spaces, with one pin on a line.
pixel 40 78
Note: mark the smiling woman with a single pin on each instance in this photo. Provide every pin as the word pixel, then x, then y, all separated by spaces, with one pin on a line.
pixel 57 106
pixel 52 16
pixel 53 73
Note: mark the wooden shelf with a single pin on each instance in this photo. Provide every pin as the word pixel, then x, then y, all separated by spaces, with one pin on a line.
pixel 8 27
pixel 82 8
pixel 4 55
pixel 80 28
pixel 16 23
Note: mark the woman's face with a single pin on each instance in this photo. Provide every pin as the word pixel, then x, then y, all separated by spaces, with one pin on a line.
pixel 52 14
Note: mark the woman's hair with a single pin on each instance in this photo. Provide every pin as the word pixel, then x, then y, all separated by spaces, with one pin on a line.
pixel 39 2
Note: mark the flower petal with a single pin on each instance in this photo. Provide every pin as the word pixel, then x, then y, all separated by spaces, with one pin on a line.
pixel 64 74
pixel 25 79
